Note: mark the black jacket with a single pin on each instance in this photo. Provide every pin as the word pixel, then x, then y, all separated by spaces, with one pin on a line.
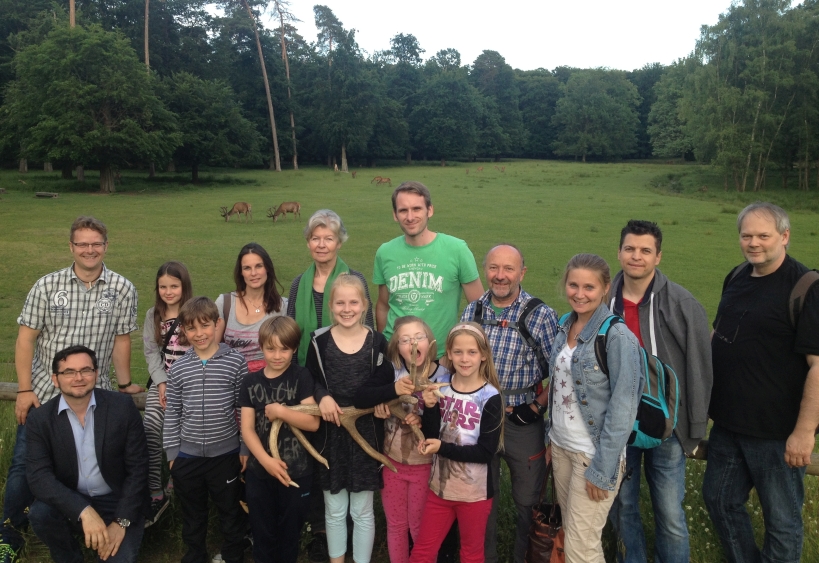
pixel 122 455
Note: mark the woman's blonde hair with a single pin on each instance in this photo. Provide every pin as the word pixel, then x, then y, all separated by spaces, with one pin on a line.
pixel 349 280
pixel 393 354
pixel 487 369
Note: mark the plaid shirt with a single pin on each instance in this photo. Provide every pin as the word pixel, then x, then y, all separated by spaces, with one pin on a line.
pixel 515 361
pixel 67 313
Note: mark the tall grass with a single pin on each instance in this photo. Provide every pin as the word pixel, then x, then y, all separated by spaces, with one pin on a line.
pixel 551 210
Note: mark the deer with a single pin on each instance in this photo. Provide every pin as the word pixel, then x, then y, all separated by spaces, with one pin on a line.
pixel 354 173
pixel 479 169
pixel 350 415
pixel 384 181
pixel 376 179
pixel 238 207
pixel 500 168
pixel 293 207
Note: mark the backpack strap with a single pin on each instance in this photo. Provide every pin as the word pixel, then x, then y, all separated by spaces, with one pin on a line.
pixel 520 326
pixel 171 331
pixel 796 302
pixel 602 339
pixel 226 304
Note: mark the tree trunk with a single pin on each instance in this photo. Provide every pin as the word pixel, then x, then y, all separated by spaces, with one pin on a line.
pixel 147 57
pixel 443 162
pixel 23 166
pixel 277 161
pixel 152 170
pixel 409 157
pixel 343 158
pixel 80 173
pixel 47 167
pixel 107 179
pixel 171 167
pixel 584 157
pixel 72 14
pixel 287 74
pixel 67 172
pixel 195 173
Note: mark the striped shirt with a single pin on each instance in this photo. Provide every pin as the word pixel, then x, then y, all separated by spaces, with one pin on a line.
pixel 202 398
pixel 67 314
pixel 515 361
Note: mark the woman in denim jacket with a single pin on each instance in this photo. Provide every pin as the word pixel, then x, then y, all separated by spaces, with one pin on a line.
pixel 591 414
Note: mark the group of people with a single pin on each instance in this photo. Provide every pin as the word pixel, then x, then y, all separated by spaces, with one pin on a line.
pixel 473 388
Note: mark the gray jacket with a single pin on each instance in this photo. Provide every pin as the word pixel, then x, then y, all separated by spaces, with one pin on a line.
pixel 674 327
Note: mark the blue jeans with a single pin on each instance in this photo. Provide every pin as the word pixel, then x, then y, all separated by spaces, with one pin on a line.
pixel 736 464
pixel 665 475
pixel 58 533
pixel 18 496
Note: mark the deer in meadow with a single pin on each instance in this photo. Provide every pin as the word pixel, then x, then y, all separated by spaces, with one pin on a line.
pixel 239 207
pixel 479 169
pixel 383 181
pixel 354 172
pixel 293 207
pixel 377 179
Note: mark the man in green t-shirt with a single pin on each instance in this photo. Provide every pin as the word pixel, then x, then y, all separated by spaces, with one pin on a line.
pixel 422 272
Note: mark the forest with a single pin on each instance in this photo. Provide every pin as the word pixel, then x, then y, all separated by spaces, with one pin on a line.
pixel 167 85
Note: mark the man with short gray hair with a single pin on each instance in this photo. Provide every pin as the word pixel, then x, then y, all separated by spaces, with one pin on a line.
pixel 765 398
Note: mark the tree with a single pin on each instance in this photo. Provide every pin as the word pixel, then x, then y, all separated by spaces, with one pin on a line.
pixel 539 92
pixel 597 115
pixel 669 137
pixel 212 126
pixel 280 7
pixel 644 79
pixel 406 49
pixel 444 120
pixel 495 80
pixel 82 95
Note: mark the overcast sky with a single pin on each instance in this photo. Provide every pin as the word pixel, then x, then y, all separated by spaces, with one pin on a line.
pixel 529 34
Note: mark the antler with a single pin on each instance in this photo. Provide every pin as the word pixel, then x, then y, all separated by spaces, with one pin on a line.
pixel 348 417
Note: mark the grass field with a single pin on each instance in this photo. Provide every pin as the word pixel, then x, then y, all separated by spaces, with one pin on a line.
pixel 551 210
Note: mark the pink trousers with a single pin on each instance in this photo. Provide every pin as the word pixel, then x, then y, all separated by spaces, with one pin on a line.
pixel 403 497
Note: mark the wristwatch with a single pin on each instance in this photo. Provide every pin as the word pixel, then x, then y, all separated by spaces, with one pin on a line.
pixel 123 522
pixel 540 408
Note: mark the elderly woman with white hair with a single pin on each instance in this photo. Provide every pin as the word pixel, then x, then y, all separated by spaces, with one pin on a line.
pixel 307 302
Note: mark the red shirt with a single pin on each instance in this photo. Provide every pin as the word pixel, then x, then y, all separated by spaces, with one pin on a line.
pixel 632 318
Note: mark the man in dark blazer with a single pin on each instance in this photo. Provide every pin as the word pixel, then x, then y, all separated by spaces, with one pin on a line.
pixel 87 465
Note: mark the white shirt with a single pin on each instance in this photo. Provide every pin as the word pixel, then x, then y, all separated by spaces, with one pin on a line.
pixel 568 429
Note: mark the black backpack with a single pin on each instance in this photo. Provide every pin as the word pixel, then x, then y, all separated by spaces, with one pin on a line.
pixel 520 326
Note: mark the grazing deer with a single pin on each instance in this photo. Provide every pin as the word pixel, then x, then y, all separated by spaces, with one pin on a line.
pixel 293 207
pixel 376 179
pixel 500 168
pixel 350 415
pixel 467 171
pixel 239 207
pixel 354 173
pixel 479 169
pixel 384 181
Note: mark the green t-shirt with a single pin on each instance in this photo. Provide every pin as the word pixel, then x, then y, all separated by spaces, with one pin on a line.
pixel 425 281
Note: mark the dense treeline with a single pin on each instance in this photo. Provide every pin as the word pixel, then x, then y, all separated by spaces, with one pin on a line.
pixel 164 84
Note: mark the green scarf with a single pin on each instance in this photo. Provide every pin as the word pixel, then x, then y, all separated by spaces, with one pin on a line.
pixel 306 307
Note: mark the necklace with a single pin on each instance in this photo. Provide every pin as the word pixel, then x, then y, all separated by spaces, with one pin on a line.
pixel 258 307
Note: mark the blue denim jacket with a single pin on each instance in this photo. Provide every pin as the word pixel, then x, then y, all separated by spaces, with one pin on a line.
pixel 608 404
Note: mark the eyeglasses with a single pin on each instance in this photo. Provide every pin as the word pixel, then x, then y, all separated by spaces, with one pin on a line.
pixel 404 340
pixel 72 373
pixel 94 245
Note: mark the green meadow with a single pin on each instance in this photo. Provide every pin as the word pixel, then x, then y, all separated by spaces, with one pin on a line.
pixel 551 210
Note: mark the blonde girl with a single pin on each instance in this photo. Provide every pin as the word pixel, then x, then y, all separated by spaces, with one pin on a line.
pixel 405 492
pixel 163 342
pixel 591 414
pixel 470 418
pixel 349 364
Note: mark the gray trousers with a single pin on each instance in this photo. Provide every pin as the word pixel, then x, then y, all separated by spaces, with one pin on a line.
pixel 524 452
